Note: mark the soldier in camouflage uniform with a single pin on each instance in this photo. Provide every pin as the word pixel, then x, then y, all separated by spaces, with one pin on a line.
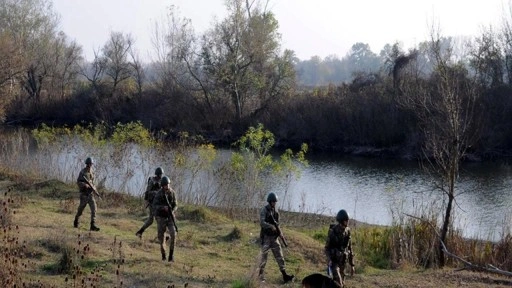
pixel 152 188
pixel 164 207
pixel 269 217
pixel 86 193
pixel 338 248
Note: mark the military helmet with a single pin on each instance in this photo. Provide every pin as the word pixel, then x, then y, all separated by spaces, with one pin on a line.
pixel 272 197
pixel 342 216
pixel 159 171
pixel 165 180
pixel 89 161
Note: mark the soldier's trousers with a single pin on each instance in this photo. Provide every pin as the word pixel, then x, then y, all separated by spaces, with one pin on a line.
pixel 338 273
pixel 271 243
pixel 165 224
pixel 149 221
pixel 87 198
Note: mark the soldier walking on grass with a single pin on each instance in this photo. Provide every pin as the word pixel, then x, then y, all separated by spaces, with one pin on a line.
pixel 152 188
pixel 164 207
pixel 338 248
pixel 269 221
pixel 85 182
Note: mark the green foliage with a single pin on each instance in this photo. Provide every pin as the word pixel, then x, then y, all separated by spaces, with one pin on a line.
pixel 133 132
pixel 257 140
pixel 250 167
pixel 255 147
pixel 44 135
pixel 96 135
pixel 320 235
pixel 373 244
pixel 257 143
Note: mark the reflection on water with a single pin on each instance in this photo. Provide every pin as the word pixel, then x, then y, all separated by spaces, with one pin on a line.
pixel 371 189
pixel 377 191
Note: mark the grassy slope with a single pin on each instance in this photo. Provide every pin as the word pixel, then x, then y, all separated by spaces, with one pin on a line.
pixel 206 255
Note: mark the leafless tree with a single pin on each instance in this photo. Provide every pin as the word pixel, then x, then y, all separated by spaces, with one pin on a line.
pixel 445 105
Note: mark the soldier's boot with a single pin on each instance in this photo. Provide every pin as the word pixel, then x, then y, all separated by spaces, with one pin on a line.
pixel 94 227
pixel 75 223
pixel 287 278
pixel 171 255
pixel 162 251
pixel 139 233
pixel 261 275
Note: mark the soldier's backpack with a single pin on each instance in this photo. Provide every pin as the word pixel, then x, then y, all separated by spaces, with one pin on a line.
pixel 155 186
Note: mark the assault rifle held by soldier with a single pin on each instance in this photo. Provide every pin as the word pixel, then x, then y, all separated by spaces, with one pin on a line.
pixel 94 190
pixel 172 214
pixel 278 229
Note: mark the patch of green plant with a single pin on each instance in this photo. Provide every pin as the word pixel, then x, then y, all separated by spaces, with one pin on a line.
pixel 372 244
pixel 242 284
pixel 235 234
pixel 199 214
pixel 132 132
pixel 320 235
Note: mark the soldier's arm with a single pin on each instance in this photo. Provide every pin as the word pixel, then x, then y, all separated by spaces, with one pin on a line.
pixel 263 215
pixel 149 184
pixel 80 180
pixel 174 203
pixel 328 245
pixel 350 251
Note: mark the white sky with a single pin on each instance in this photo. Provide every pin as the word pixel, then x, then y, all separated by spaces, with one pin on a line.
pixel 309 27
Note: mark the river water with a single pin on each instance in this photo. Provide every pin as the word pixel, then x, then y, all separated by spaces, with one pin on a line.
pixel 377 191
pixel 382 191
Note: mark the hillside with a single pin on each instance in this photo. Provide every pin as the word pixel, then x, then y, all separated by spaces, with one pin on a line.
pixel 42 249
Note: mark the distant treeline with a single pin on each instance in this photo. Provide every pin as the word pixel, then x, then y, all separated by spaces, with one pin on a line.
pixel 236 75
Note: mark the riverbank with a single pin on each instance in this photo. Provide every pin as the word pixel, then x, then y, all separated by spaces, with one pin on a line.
pixel 213 249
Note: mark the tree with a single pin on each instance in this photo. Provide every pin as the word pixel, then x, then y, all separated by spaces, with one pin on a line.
pixel 115 55
pixel 446 108
pixel 240 57
pixel 11 66
pixel 362 59
pixel 65 58
pixel 32 25
pixel 487 60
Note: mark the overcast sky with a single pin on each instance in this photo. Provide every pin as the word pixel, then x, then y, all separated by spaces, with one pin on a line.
pixel 309 27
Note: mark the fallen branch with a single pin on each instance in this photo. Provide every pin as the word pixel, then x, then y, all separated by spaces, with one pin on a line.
pixel 467 265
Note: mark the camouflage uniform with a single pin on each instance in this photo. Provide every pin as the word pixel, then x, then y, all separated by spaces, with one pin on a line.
pixel 161 202
pixel 151 190
pixel 338 250
pixel 86 196
pixel 269 241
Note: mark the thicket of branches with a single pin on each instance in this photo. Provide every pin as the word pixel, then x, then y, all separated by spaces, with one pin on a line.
pixel 236 75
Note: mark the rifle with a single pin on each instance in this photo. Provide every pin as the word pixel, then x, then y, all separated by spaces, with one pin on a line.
pixel 94 190
pixel 281 236
pixel 170 212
